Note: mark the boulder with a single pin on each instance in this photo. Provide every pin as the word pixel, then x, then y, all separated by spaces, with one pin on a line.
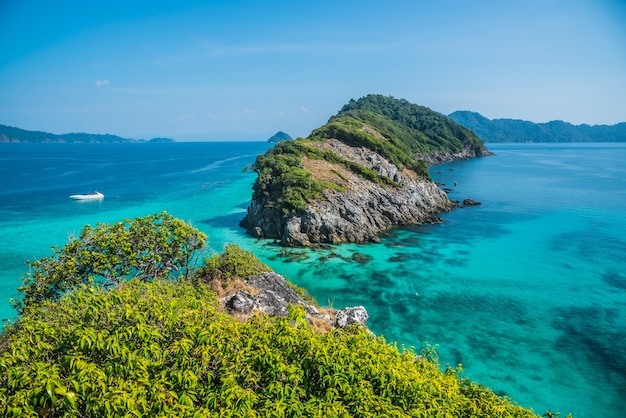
pixel 241 302
pixel 348 316
pixel 274 297
pixel 471 202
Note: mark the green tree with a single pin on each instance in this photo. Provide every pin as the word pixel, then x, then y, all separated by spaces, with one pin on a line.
pixel 151 247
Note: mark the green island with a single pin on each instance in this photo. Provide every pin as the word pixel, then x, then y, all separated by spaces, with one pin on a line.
pixel 119 322
pixel 374 153
pixel 394 128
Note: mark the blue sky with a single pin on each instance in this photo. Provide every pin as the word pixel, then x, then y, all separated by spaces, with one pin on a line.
pixel 242 70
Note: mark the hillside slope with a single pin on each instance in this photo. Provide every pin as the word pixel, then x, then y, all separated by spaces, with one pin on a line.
pixel 365 171
pixel 515 130
pixel 170 348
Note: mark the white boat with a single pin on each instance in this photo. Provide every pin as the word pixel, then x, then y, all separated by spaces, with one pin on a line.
pixel 90 196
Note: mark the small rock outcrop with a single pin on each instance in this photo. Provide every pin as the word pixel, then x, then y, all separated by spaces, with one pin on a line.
pixel 349 316
pixel 471 202
pixel 272 296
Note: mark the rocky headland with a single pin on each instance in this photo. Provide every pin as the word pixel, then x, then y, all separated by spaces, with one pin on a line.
pixel 363 172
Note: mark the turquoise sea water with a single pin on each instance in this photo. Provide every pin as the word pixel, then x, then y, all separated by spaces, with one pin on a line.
pixel 527 291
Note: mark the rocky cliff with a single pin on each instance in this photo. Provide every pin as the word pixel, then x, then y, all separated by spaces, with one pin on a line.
pixel 269 293
pixel 360 174
pixel 357 212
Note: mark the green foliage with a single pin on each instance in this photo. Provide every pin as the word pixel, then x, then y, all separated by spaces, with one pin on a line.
pixel 413 128
pixel 516 130
pixel 348 129
pixel 151 247
pixel 163 348
pixel 283 180
pixel 233 263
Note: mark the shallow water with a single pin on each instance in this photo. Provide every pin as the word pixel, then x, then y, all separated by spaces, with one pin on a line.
pixel 527 291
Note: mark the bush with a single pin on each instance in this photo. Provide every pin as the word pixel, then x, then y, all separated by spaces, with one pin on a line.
pixel 152 247
pixel 164 348
pixel 233 263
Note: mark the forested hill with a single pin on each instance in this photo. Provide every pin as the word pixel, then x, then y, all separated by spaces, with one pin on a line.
pixel 413 128
pixel 364 171
pixel 516 130
pixel 11 134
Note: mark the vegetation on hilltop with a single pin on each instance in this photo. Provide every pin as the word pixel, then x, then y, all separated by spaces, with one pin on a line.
pixel 414 129
pixel 147 346
pixel 288 185
pixel 515 130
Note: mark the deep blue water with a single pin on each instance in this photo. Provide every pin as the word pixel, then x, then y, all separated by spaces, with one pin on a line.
pixel 527 291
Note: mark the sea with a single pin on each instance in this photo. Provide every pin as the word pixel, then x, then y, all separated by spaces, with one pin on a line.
pixel 527 290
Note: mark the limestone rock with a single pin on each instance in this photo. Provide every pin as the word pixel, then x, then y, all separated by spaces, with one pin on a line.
pixel 443 157
pixel 240 302
pixel 357 214
pixel 274 297
pixel 349 316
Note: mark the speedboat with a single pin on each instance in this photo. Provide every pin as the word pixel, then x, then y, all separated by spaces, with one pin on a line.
pixel 89 196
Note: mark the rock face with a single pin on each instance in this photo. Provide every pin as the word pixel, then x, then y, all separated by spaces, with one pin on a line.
pixel 349 316
pixel 444 157
pixel 273 297
pixel 356 214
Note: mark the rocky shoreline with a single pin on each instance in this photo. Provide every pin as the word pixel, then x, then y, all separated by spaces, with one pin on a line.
pixel 363 172
pixel 270 294
pixel 362 210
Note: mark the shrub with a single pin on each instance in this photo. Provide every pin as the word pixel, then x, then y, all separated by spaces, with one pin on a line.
pixel 163 348
pixel 150 247
pixel 233 263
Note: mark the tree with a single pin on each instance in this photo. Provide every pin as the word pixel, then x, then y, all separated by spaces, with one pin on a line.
pixel 152 247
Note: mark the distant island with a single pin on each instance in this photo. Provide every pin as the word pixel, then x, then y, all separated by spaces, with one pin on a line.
pixel 279 136
pixel 11 134
pixel 516 130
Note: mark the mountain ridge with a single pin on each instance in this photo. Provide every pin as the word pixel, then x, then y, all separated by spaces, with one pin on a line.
pixel 364 171
pixel 518 130
pixel 13 134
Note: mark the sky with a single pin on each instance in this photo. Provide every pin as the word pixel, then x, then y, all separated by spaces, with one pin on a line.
pixel 242 70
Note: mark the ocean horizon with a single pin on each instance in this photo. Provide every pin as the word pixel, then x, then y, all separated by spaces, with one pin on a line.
pixel 527 291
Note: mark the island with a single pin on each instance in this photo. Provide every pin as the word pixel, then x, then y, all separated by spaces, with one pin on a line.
pixel 363 172
pixel 12 134
pixel 516 130
pixel 279 136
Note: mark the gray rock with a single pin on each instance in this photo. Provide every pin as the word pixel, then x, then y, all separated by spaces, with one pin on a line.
pixel 274 298
pixel 471 202
pixel 349 316
pixel 443 157
pixel 240 302
pixel 357 214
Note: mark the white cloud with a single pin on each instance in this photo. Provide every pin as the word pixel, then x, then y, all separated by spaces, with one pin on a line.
pixel 100 83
